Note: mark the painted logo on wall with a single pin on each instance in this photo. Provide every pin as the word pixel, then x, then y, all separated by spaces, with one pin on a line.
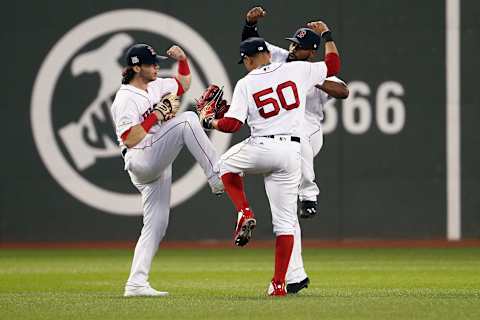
pixel 73 92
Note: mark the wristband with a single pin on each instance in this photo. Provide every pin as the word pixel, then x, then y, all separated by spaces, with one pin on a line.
pixel 229 124
pixel 327 36
pixel 149 121
pixel 183 68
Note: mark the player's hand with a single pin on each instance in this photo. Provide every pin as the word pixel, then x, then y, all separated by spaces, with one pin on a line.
pixel 168 107
pixel 172 101
pixel 162 112
pixel 318 26
pixel 169 116
pixel 254 14
pixel 177 53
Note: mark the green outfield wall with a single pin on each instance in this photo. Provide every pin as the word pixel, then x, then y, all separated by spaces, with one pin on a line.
pixel 383 170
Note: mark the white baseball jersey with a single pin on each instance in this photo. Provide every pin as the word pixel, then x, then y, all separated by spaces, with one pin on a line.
pixel 316 98
pixel 132 105
pixel 278 54
pixel 272 98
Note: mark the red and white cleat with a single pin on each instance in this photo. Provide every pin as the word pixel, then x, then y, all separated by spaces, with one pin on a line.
pixel 245 224
pixel 277 289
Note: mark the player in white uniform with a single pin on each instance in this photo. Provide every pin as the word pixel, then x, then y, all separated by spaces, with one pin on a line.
pixel 271 98
pixel 151 137
pixel 303 47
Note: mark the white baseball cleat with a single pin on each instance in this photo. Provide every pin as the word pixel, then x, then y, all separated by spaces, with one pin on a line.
pixel 276 289
pixel 146 291
pixel 216 185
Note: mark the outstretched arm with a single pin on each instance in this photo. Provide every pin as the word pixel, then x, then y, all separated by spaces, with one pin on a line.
pixel 337 90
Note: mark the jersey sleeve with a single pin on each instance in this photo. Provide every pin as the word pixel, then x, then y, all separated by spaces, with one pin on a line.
pixel 278 54
pixel 125 115
pixel 164 85
pixel 317 73
pixel 335 79
pixel 239 106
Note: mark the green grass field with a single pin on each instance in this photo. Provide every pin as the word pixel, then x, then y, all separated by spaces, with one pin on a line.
pixel 231 284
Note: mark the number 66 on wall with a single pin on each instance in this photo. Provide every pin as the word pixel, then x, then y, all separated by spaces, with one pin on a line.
pixel 357 111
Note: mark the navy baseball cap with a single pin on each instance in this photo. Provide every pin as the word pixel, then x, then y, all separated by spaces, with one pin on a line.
pixel 306 38
pixel 251 46
pixel 142 54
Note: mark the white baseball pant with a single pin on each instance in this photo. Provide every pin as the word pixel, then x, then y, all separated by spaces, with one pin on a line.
pixel 311 145
pixel 278 159
pixel 151 172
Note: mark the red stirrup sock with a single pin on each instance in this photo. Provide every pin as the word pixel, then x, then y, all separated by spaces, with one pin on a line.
pixel 233 184
pixel 283 251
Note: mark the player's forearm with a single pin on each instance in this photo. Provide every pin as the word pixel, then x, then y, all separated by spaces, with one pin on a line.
pixel 184 81
pixel 334 89
pixel 330 47
pixel 332 57
pixel 183 76
pixel 134 136
pixel 227 124
pixel 249 31
pixel 250 28
pixel 332 60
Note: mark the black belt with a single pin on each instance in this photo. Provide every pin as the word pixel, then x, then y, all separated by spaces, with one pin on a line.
pixel 292 138
pixel 124 152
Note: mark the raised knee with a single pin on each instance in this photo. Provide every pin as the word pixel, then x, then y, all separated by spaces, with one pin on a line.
pixel 190 116
pixel 187 116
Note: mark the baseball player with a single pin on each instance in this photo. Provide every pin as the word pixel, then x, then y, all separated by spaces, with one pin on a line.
pixel 151 136
pixel 271 98
pixel 303 47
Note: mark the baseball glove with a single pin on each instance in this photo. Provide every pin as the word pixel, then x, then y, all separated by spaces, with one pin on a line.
pixel 168 106
pixel 211 105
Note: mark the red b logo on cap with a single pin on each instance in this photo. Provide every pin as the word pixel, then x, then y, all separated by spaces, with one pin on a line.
pixel 301 34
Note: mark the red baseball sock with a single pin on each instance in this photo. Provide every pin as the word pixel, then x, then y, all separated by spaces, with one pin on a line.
pixel 283 251
pixel 233 184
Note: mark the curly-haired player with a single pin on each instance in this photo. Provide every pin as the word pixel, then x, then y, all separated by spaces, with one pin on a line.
pixel 151 136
